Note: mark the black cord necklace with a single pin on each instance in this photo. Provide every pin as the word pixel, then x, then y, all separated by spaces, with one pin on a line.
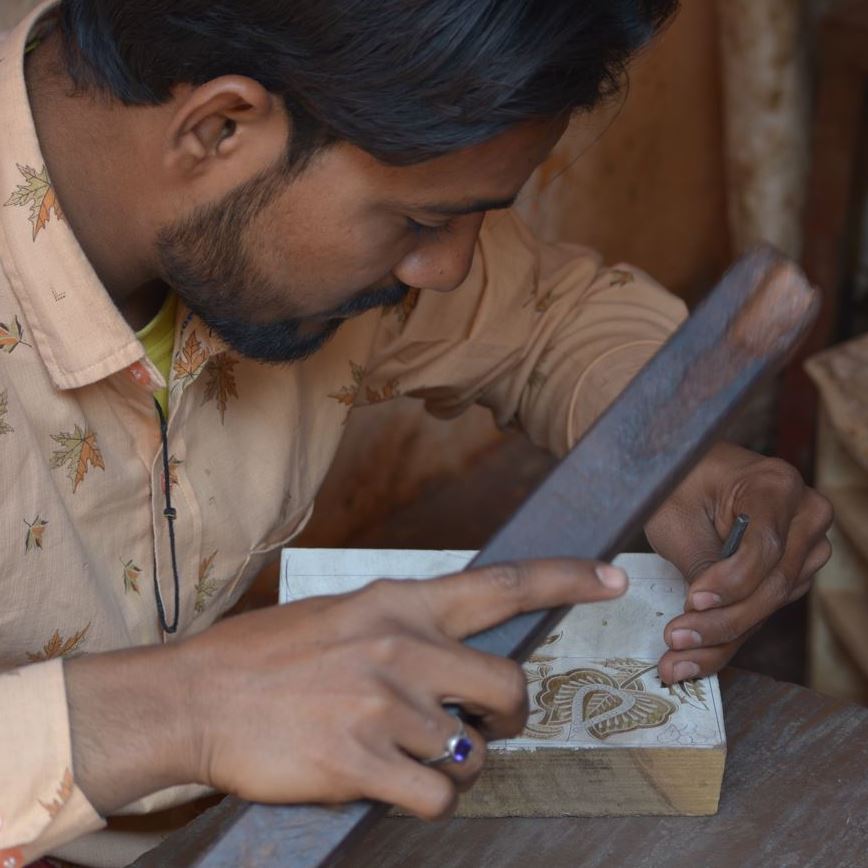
pixel 171 514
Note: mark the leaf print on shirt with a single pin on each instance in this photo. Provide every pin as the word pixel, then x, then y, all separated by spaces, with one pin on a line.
pixel 131 576
pixel 539 376
pixel 57 646
pixel 220 382
pixel 77 452
pixel 537 379
pixel 5 427
pixel 62 796
pixel 189 360
pixel 392 389
pixel 37 191
pixel 206 587
pixel 35 533
pixel 174 462
pixel 541 302
pixel 620 277
pixel 11 336
pixel 347 394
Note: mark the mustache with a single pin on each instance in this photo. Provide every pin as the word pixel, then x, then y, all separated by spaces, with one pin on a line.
pixel 385 296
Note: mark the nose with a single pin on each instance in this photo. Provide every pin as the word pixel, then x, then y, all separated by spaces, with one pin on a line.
pixel 442 261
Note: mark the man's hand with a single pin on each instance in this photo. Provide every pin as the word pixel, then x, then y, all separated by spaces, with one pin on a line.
pixel 784 546
pixel 326 700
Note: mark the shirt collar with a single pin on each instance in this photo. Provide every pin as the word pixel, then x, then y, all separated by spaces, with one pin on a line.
pixel 79 332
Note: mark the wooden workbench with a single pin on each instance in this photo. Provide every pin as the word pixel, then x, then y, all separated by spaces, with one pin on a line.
pixel 795 794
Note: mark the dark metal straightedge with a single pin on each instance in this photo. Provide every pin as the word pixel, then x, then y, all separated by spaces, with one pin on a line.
pixel 600 494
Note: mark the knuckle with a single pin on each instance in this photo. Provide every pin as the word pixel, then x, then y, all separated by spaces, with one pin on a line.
pixel 743 586
pixel 509 578
pixel 824 552
pixel 373 709
pixel 781 587
pixel 387 650
pixel 379 705
pixel 737 585
pixel 783 472
pixel 822 509
pixel 380 590
pixel 771 544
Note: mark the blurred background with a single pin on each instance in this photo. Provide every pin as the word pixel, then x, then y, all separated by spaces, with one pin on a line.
pixel 745 122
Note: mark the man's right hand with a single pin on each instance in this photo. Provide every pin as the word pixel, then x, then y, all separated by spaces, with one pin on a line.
pixel 326 700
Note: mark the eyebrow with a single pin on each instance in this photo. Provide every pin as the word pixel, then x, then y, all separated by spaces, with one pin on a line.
pixel 460 208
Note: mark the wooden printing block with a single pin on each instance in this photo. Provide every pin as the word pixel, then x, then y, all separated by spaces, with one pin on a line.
pixel 604 736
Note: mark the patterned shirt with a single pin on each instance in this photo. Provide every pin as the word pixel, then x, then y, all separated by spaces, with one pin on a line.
pixel 543 335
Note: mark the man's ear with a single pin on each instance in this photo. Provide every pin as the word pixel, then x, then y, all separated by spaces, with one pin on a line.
pixel 228 119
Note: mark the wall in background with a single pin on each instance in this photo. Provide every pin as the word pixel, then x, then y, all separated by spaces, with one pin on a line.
pixel 652 190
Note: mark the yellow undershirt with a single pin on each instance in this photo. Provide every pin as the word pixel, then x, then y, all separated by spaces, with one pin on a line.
pixel 158 339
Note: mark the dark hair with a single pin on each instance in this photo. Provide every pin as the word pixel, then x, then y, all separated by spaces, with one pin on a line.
pixel 405 80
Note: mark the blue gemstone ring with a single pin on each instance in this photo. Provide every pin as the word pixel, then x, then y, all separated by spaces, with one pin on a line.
pixel 458 748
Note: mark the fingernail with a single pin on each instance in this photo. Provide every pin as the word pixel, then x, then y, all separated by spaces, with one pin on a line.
pixel 703 600
pixel 685 670
pixel 682 639
pixel 611 577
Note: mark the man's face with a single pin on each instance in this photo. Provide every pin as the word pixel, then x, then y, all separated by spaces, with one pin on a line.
pixel 276 265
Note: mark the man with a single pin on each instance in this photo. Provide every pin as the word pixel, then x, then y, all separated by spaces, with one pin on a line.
pixel 209 206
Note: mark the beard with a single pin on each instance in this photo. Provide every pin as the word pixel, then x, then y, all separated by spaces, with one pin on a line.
pixel 202 258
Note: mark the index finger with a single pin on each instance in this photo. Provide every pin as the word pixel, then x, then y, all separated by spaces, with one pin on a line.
pixel 467 603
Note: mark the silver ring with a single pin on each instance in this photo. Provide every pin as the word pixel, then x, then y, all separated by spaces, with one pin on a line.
pixel 458 749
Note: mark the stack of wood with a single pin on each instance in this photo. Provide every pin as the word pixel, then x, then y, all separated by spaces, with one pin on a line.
pixel 838 641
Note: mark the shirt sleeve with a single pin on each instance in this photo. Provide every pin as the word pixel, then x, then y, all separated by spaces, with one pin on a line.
pixel 41 808
pixel 542 334
pixel 40 805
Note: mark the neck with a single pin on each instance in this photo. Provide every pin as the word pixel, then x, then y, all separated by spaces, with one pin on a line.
pixel 89 147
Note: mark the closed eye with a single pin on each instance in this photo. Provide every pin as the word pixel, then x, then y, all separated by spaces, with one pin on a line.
pixel 426 230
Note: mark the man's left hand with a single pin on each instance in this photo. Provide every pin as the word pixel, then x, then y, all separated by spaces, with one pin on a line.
pixel 783 548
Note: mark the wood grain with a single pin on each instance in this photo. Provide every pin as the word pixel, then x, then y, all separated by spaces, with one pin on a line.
pixel 794 794
pixel 609 782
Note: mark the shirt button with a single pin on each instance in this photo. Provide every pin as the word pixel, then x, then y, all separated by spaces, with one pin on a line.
pixel 139 374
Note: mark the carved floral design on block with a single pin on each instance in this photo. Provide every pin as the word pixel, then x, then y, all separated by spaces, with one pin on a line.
pixel 601 698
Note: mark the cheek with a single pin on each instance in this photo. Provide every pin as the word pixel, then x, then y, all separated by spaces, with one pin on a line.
pixel 333 262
